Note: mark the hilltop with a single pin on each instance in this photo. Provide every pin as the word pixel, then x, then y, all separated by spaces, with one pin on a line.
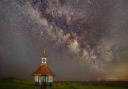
pixel 19 83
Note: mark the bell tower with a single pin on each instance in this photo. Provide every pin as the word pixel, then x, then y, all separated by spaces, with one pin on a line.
pixel 43 57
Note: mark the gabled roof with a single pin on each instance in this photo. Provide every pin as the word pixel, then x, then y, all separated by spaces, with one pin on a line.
pixel 43 70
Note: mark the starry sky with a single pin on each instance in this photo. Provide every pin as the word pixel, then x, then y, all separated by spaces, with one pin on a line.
pixel 84 39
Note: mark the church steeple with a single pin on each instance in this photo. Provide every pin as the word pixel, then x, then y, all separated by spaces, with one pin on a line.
pixel 43 57
pixel 43 75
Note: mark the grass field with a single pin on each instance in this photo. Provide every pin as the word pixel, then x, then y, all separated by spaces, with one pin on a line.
pixel 13 83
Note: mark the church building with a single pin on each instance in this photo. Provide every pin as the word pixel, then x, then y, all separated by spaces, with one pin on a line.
pixel 43 74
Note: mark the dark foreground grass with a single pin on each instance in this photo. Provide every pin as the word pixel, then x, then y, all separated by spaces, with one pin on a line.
pixel 84 86
pixel 13 83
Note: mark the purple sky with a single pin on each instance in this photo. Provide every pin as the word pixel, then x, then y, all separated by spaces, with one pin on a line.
pixel 84 39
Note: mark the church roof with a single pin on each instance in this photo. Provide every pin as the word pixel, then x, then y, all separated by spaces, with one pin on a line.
pixel 43 70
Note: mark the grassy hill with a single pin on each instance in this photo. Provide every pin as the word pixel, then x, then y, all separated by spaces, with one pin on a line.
pixel 15 83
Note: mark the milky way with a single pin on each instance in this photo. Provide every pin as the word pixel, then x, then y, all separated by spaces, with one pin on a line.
pixel 71 27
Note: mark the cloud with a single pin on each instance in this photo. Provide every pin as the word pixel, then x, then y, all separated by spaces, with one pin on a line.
pixel 117 72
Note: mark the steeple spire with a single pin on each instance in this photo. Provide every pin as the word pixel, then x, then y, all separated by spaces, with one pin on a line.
pixel 43 57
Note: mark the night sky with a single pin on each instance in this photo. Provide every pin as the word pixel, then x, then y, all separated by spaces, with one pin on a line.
pixel 84 39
